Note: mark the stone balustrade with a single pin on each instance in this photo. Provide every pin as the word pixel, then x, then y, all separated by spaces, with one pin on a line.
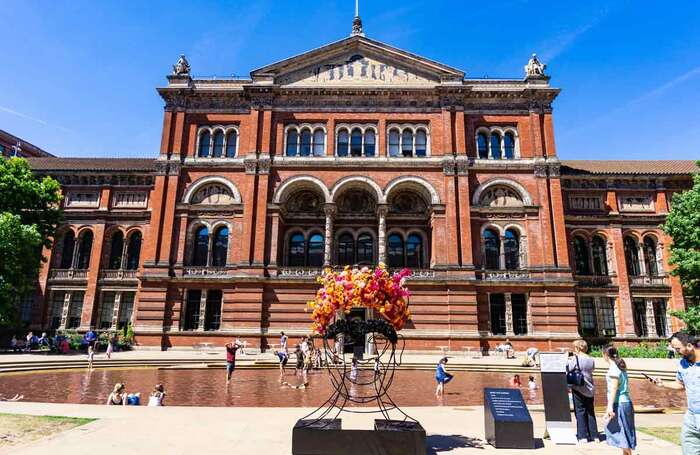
pixel 67 274
pixel 648 281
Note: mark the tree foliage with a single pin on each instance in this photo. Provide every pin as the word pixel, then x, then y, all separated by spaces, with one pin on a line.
pixel 683 226
pixel 29 215
pixel 690 317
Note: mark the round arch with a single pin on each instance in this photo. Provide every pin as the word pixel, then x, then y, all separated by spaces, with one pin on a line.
pixel 298 182
pixel 413 181
pixel 358 181
pixel 203 181
pixel 524 195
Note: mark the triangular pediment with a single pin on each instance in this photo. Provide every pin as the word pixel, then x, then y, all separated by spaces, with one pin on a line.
pixel 357 61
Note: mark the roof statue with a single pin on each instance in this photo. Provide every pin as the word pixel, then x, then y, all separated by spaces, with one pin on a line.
pixel 357 22
pixel 17 149
pixel 535 68
pixel 182 67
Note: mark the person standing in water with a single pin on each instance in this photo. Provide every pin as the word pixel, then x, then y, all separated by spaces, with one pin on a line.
pixel 442 377
pixel 231 349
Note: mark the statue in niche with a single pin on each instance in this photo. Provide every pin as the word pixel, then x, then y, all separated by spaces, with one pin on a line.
pixel 356 202
pixel 406 202
pixel 304 201
pixel 214 194
pixel 501 197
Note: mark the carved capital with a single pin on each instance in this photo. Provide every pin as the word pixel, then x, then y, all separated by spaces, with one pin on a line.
pixel 251 164
pixel 382 210
pixel 330 210
pixel 264 163
pixel 448 166
pixel 462 164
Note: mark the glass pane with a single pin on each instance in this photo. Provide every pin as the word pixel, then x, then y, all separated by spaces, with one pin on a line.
pixel 407 143
pixel 231 144
pixel 639 307
pixel 587 318
pixel 482 145
pixel 343 143
pixel 297 245
pixel 492 248
pixel 395 251
pixel 509 143
pixel 116 251
pixel 600 260
pixel 369 143
pixel 305 143
pixel 212 313
pixel 496 146
pixel 75 310
pixel 126 308
pixel 67 251
pixel 581 256
pixel 220 247
pixel 191 321
pixel 292 142
pixel 319 142
pixel 84 251
pixel 316 250
pixel 133 251
pixel 497 304
pixel 519 305
pixel 365 249
pixel 356 142
pixel 204 141
pixel 56 309
pixel 631 256
pixel 201 247
pixel 421 143
pixel 394 143
pixel 106 310
pixel 660 317
pixel 511 248
pixel 218 144
pixel 650 256
pixel 414 251
pixel 607 316
pixel 346 250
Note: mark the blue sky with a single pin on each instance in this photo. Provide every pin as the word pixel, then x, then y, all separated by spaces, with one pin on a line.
pixel 78 76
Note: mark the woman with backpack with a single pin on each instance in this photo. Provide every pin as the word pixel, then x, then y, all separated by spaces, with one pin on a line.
pixel 579 375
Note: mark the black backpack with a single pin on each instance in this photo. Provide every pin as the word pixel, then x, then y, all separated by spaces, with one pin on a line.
pixel 574 376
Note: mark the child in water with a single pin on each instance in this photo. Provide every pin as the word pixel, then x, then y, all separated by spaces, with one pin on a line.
pixel 442 377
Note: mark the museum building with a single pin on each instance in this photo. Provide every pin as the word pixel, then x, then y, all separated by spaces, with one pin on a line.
pixel 357 153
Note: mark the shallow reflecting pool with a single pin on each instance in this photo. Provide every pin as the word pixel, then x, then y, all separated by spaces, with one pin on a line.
pixel 257 387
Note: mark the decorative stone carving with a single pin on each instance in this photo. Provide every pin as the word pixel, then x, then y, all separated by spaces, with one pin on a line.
pixel 500 197
pixel 250 165
pixel 535 68
pixel 264 164
pixel 304 202
pixel 182 67
pixel 635 203
pixel 82 199
pixel 357 27
pixel 406 202
pixel 130 200
pixel 540 170
pixel 592 203
pixel 448 166
pixel 213 194
pixel 356 202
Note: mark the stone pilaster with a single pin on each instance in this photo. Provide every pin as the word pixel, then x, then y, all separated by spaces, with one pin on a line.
pixel 509 314
pixel 382 211
pixel 329 210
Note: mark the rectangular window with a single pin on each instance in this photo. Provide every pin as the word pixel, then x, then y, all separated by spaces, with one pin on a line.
pixel 497 307
pixel 191 321
pixel 607 316
pixel 588 323
pixel 212 315
pixel 56 310
pixel 75 310
pixel 519 306
pixel 25 308
pixel 106 311
pixel 126 309
pixel 639 307
pixel 660 317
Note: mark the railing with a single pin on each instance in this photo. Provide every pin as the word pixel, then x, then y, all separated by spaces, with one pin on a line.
pixel 418 274
pixel 118 274
pixel 648 281
pixel 505 275
pixel 68 274
pixel 205 271
pixel 593 280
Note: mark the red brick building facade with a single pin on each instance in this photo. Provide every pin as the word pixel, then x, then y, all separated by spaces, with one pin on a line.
pixel 356 153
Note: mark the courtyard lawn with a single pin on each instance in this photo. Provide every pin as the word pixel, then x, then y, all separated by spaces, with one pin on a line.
pixel 670 434
pixel 16 429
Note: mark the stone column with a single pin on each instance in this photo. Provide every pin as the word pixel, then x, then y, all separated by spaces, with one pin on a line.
pixel 509 314
pixel 502 254
pixel 66 308
pixel 116 309
pixel 329 210
pixel 210 247
pixel 651 323
pixel 202 310
pixel 640 258
pixel 523 252
pixel 598 315
pixel 530 325
pixel 382 210
pixel 660 259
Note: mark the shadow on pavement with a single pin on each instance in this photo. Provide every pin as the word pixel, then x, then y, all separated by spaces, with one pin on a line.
pixel 437 443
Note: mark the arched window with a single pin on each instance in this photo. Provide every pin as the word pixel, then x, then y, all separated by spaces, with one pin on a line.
pixel 482 145
pixel 218 144
pixel 231 144
pixel 297 246
pixel 581 256
pixel 395 253
pixel 492 249
pixel 116 250
pixel 343 143
pixel 650 256
pixel 414 251
pixel 365 249
pixel 369 142
pixel 305 143
pixel 356 142
pixel 421 143
pixel 292 142
pixel 316 249
pixel 133 251
pixel 346 249
pixel 84 251
pixel 496 152
pixel 201 246
pixel 509 145
pixel 204 143
pixel 631 256
pixel 394 142
pixel 407 143
pixel 220 247
pixel 600 259
pixel 319 142
pixel 67 251
pixel 511 249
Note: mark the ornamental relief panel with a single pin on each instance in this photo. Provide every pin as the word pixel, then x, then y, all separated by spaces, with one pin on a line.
pixel 500 197
pixel 304 202
pixel 213 194
pixel 406 203
pixel 591 203
pixel 82 199
pixel 356 203
pixel 635 203
pixel 130 200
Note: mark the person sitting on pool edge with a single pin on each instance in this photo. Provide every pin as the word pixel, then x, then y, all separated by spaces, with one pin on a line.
pixel 118 397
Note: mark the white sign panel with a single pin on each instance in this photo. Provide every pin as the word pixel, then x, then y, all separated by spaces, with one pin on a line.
pixel 553 362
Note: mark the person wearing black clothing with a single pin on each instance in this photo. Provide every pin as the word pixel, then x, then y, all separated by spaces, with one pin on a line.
pixel 586 425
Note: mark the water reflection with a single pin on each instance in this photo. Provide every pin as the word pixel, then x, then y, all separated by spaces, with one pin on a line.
pixel 207 387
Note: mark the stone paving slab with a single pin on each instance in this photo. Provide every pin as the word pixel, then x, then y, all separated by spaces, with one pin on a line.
pixel 187 430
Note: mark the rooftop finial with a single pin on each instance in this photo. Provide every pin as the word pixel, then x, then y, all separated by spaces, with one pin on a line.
pixel 182 67
pixel 357 22
pixel 535 69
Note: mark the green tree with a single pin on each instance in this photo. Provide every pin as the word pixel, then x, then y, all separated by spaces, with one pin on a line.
pixel 29 215
pixel 683 226
pixel 690 317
